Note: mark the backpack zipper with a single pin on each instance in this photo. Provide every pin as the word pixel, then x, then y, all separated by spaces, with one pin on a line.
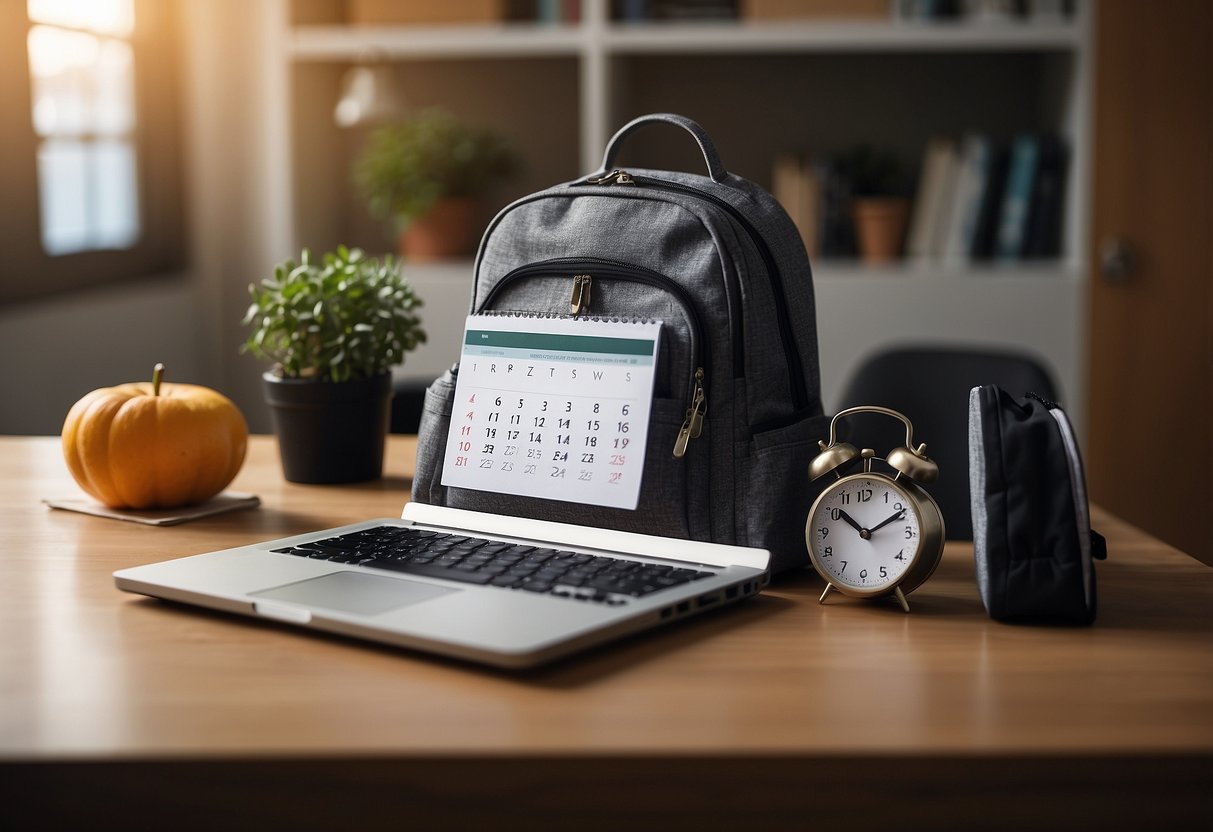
pixel 580 301
pixel 800 395
pixel 692 425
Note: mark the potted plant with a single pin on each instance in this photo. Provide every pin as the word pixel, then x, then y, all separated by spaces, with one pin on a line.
pixel 880 207
pixel 334 328
pixel 425 174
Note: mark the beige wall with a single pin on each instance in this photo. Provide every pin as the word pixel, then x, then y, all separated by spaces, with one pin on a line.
pixel 57 350
pixel 233 69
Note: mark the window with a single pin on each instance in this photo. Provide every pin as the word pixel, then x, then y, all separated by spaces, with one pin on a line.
pixel 91 178
pixel 82 73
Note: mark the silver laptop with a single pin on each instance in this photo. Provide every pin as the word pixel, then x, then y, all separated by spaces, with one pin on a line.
pixel 507 591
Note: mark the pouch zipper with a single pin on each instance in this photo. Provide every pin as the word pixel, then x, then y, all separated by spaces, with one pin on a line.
pixel 800 394
pixel 692 425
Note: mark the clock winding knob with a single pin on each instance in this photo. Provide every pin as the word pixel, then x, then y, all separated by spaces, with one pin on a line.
pixel 914 463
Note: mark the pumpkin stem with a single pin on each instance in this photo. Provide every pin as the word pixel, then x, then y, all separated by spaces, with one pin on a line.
pixel 157 375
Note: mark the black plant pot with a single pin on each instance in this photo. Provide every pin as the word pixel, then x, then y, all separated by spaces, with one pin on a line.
pixel 330 432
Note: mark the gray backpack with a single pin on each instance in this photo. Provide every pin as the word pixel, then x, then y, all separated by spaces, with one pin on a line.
pixel 737 405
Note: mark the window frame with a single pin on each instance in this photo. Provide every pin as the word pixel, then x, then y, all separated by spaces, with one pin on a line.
pixel 27 272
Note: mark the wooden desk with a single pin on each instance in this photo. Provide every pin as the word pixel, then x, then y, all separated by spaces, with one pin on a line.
pixel 779 712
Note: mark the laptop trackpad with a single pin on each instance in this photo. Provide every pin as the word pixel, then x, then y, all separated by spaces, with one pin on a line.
pixel 356 593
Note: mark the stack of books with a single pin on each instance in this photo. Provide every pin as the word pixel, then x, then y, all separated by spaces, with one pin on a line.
pixel 978 200
pixel 818 198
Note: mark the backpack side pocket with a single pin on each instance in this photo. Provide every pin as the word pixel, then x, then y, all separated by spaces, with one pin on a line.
pixel 777 500
pixel 431 440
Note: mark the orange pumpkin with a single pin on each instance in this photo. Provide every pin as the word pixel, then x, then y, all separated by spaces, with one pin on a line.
pixel 154 446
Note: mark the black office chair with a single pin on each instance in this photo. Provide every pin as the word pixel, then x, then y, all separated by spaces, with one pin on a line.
pixel 408 397
pixel 931 387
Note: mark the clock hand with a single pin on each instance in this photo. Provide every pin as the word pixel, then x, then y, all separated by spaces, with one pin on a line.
pixel 851 522
pixel 896 516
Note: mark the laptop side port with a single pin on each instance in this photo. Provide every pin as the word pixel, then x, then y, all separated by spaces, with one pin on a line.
pixel 666 612
pixel 707 600
pixel 730 593
pixel 683 607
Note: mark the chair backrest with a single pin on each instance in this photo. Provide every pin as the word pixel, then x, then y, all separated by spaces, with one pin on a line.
pixel 931 387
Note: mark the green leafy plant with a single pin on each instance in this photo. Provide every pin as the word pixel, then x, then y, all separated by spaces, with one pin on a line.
pixel 345 317
pixel 406 167
pixel 873 172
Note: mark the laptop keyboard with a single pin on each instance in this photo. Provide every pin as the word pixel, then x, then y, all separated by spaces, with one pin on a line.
pixel 474 560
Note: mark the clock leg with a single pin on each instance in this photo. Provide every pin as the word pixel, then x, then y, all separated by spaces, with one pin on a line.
pixel 901 599
pixel 822 599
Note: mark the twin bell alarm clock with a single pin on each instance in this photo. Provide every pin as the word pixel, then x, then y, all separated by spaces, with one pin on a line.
pixel 872 534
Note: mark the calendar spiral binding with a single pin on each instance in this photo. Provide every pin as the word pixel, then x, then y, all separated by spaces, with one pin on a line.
pixel 610 319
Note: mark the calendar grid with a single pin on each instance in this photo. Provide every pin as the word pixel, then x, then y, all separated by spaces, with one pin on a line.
pixel 555 408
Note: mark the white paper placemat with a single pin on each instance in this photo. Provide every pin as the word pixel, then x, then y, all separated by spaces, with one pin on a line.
pixel 219 504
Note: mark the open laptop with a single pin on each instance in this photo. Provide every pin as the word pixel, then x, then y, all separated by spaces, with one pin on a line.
pixel 506 591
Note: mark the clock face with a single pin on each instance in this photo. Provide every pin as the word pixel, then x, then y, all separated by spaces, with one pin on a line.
pixel 865 533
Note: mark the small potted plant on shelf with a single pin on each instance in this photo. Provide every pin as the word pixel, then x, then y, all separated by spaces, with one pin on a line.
pixel 334 328
pixel 425 174
pixel 880 207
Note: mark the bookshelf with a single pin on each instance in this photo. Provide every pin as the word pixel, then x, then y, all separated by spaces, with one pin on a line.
pixel 762 89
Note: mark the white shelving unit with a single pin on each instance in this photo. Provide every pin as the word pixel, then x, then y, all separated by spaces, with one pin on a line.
pixel 1041 68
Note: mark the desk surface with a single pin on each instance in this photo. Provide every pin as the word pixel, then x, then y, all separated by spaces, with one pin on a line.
pixel 90 674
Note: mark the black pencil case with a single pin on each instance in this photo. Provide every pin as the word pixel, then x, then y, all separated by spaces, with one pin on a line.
pixel 1032 537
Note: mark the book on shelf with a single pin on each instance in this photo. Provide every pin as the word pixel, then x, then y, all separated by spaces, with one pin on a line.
pixel 680 10
pixel 817 199
pixel 1043 237
pixel 837 229
pixel 554 11
pixel 992 12
pixel 932 207
pixel 426 12
pixel 985 225
pixel 814 9
pixel 796 186
pixel 1011 242
pixel 632 11
pixel 968 194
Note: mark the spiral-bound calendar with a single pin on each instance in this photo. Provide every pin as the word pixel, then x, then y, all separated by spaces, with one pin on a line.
pixel 553 407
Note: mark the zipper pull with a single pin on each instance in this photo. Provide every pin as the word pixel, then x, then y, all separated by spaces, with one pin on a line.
pixel 692 425
pixel 699 405
pixel 580 302
pixel 615 177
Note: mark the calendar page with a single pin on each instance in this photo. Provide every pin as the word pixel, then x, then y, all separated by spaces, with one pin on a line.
pixel 553 407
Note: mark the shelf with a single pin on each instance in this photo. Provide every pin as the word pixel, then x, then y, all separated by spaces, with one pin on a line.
pixel 446 273
pixel 807 37
pixel 505 40
pixel 944 273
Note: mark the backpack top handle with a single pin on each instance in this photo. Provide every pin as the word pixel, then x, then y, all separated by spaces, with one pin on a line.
pixel 715 167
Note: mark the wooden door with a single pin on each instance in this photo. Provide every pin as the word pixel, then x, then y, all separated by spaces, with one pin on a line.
pixel 1150 431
